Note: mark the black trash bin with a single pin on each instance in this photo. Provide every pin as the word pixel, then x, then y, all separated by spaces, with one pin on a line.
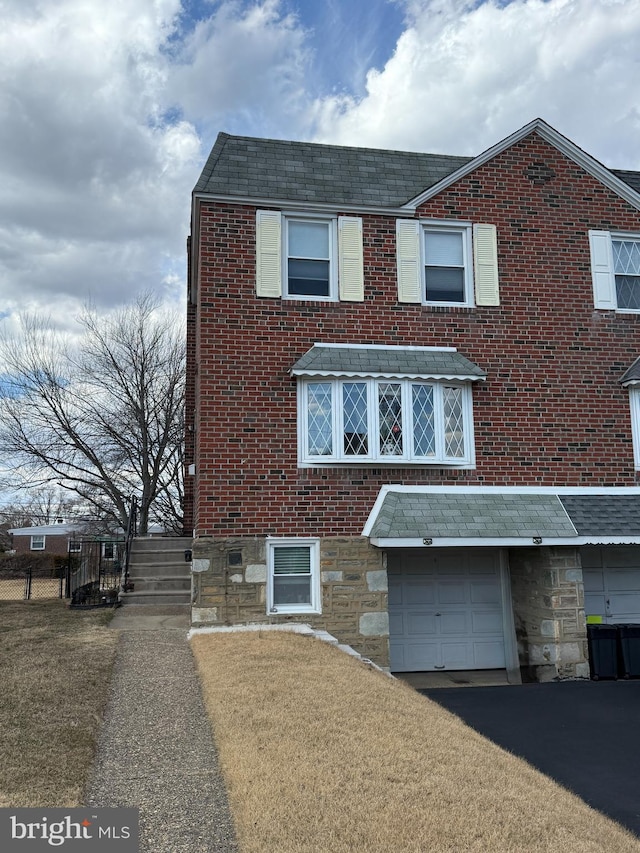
pixel 603 651
pixel 630 648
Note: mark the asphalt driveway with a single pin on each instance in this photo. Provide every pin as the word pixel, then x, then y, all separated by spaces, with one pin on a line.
pixel 584 734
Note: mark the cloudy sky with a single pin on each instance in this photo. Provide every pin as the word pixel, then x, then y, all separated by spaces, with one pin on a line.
pixel 108 109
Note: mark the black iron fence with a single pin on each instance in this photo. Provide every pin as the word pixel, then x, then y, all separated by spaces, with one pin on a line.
pixel 94 571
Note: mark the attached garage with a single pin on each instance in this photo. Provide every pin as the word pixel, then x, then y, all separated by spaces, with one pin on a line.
pixel 611 576
pixel 445 610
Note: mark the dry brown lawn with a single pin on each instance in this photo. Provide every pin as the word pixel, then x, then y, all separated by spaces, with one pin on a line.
pixel 323 755
pixel 55 668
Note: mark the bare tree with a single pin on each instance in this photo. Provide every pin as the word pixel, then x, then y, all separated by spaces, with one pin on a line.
pixel 100 415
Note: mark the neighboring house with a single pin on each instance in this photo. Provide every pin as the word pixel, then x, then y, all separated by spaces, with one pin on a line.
pixel 55 539
pixel 413 398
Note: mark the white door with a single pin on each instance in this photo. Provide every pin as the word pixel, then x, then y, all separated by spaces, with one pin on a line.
pixel 445 610
pixel 611 577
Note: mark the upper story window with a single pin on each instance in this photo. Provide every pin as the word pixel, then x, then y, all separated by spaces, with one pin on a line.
pixel 37 543
pixel 309 257
pixel 626 269
pixel 385 404
pixel 615 270
pixel 447 273
pixel 447 263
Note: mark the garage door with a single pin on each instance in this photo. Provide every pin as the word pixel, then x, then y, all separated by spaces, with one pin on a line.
pixel 612 583
pixel 445 610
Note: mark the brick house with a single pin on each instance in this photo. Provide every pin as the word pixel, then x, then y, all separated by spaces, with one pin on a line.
pixel 413 398
pixel 52 539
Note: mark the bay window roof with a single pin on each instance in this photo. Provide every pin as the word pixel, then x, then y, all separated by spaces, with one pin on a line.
pixel 387 361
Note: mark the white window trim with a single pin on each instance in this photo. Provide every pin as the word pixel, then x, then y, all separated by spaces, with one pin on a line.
pixel 464 228
pixel 78 546
pixel 41 547
pixel 315 606
pixel 603 270
pixel 305 460
pixel 634 403
pixel 332 221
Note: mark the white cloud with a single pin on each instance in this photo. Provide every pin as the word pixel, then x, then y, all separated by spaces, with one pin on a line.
pixel 465 75
pixel 245 66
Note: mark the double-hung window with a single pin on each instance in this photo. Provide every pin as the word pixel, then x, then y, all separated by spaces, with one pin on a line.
pixel 615 268
pixel 447 263
pixel 37 542
pixel 447 274
pixel 360 403
pixel 312 257
pixel 293 576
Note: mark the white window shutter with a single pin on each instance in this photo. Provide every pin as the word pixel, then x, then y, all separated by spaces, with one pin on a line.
pixel 268 253
pixel 350 254
pixel 408 253
pixel 604 283
pixel 485 264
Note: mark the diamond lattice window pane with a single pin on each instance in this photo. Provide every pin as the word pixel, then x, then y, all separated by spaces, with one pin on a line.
pixel 319 419
pixel 628 291
pixel 626 257
pixel 354 408
pixel 390 418
pixel 424 440
pixel 453 423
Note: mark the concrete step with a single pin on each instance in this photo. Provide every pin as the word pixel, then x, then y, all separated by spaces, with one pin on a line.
pixel 156 597
pixel 161 543
pixel 160 569
pixel 157 555
pixel 150 583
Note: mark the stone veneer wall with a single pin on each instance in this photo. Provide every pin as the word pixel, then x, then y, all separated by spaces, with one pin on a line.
pixel 548 605
pixel 229 588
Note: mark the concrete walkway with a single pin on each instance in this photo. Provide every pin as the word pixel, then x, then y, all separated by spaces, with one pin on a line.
pixel 155 750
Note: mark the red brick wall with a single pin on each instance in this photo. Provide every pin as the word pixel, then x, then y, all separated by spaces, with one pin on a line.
pixel 58 545
pixel 551 412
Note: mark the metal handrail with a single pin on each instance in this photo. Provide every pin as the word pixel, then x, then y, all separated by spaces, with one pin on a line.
pixel 132 530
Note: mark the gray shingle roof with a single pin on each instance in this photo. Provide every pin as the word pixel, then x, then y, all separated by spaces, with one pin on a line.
pixel 604 515
pixel 632 374
pixel 248 167
pixel 306 171
pixel 389 361
pixel 415 515
pixel 631 178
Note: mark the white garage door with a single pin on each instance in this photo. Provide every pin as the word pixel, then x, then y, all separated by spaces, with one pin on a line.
pixel 445 610
pixel 611 578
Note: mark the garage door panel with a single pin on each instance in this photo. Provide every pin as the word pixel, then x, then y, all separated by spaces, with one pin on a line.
pixel 485 593
pixel 489 655
pixel 624 580
pixel 420 623
pixel 450 618
pixel 455 655
pixel 421 656
pixel 593 580
pixel 452 593
pixel 455 622
pixel 486 622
